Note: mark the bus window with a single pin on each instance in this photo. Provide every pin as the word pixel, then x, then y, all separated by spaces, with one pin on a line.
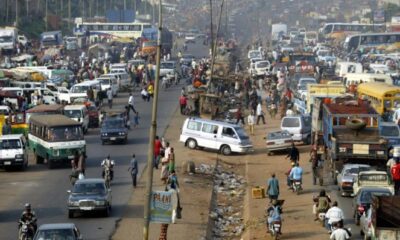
pixel 387 104
pixel 328 28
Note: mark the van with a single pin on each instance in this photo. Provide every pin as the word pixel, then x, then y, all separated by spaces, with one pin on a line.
pixel 78 113
pixel 343 68
pixel 221 136
pixel 123 78
pixel 259 68
pixel 109 81
pixel 79 91
pixel 13 151
pixel 357 78
pixel 299 126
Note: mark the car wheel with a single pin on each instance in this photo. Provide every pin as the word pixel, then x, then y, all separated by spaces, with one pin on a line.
pixel 226 150
pixel 191 143
pixel 71 214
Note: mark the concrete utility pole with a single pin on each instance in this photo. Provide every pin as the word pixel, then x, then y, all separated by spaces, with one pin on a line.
pixel 16 13
pixel 214 50
pixel 153 130
pixel 124 4
pixel 211 29
pixel 46 17
pixel 27 7
pixel 69 14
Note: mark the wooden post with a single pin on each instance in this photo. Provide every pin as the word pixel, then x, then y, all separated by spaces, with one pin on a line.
pixel 164 231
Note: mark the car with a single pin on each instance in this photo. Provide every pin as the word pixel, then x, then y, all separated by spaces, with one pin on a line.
pixel 13 152
pixel 114 129
pixel 259 68
pixel 94 119
pixel 58 231
pixel 345 178
pixel 391 132
pixel 363 199
pixel 299 126
pixel 278 141
pixel 190 38
pixel 167 67
pixel 372 178
pixel 252 54
pixel 186 59
pixel 88 195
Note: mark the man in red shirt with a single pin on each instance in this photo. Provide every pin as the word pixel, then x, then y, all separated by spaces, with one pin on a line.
pixel 157 152
pixel 182 103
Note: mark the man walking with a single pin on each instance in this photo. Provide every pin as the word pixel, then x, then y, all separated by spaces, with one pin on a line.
pixel 133 168
pixel 250 122
pixel 131 102
pixel 109 97
pixel 395 170
pixel 260 113
pixel 273 188
pixel 182 103
pixel 294 154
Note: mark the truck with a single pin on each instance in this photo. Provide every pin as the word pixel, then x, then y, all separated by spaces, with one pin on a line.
pixel 277 31
pixel 8 39
pixel 52 39
pixel 350 133
pixel 383 218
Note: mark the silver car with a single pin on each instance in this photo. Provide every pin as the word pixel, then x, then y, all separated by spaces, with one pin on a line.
pixel 58 231
pixel 345 179
pixel 89 195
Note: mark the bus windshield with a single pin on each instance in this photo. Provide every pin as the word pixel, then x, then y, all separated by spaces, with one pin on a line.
pixel 79 89
pixel 69 133
pixel 10 144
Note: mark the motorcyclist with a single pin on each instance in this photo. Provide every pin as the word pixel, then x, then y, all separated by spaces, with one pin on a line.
pixel 296 174
pixel 274 214
pixel 108 163
pixel 333 215
pixel 321 204
pixel 28 216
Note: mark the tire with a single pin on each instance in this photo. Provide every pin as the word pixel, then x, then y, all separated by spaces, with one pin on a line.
pixel 71 214
pixel 191 143
pixel 226 150
pixel 125 140
pixel 50 164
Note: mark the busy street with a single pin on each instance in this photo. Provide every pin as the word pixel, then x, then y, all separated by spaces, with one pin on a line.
pixel 211 120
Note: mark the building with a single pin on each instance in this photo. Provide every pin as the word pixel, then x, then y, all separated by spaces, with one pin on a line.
pixel 397 2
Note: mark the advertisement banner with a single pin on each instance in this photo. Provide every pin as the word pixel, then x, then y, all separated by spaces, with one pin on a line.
pixel 379 16
pixel 161 207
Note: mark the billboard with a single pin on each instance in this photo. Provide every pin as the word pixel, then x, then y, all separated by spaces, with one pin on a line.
pixel 161 206
pixel 379 16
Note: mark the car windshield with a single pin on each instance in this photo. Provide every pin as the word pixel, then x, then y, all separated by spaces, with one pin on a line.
pixel 366 196
pixel 303 87
pixel 104 81
pixel 307 81
pixel 69 133
pixel 167 65
pixel 277 135
pixel 79 89
pixel 4 111
pixel 73 113
pixel 10 144
pixel 5 39
pixel 114 123
pixel 59 234
pixel 262 64
pixel 255 55
pixel 390 131
pixel 89 188
pixel 356 170
pixel 241 133
pixel 291 122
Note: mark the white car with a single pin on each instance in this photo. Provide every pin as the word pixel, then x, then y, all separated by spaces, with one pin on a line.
pixel 253 54
pixel 345 178
pixel 372 179
pixel 259 68
pixel 167 67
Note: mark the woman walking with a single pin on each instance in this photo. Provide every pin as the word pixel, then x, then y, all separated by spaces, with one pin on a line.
pixel 171 163
pixel 164 168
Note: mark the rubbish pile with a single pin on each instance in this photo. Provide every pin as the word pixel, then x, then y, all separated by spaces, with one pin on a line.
pixel 230 190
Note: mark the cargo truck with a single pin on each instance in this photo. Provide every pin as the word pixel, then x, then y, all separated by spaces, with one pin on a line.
pixel 8 39
pixel 52 39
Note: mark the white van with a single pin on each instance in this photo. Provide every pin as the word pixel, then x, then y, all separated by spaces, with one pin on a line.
pixel 122 78
pixel 343 68
pixel 109 81
pixel 225 137
pixel 79 91
pixel 13 152
pixel 259 68
pixel 78 113
pixel 357 78
pixel 299 126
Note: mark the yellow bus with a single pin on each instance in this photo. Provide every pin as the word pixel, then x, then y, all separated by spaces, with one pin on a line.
pixel 383 97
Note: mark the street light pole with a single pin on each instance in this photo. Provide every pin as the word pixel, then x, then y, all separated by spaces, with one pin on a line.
pixel 153 130
pixel 46 18
pixel 69 14
pixel 16 13
pixel 211 29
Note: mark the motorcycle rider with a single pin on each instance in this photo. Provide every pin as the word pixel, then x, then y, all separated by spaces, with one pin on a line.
pixel 296 174
pixel 28 216
pixel 108 163
pixel 340 233
pixel 333 215
pixel 274 214
pixel 321 204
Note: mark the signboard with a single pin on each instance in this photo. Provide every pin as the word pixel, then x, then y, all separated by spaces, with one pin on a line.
pixel 161 206
pixel 396 20
pixel 379 16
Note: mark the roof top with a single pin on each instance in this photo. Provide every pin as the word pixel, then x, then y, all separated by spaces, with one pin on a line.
pixel 74 107
pixel 91 180
pixel 213 121
pixel 53 226
pixel 10 136
pixel 54 120
pixel 45 108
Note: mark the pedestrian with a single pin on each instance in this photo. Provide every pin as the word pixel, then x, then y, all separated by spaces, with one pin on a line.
pixel 136 120
pixel 273 188
pixel 131 102
pixel 171 164
pixel 157 151
pixel 182 103
pixel 133 168
pixel 144 94
pixel 239 116
pixel 109 97
pixel 250 122
pixel 273 110
pixel 164 167
pixel 260 113
pixel 395 171
pixel 6 129
pixel 294 154
pixel 150 90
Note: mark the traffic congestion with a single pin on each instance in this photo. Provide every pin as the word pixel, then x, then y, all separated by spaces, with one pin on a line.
pixel 287 119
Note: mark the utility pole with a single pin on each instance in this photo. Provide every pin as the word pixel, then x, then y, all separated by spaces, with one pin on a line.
pixel 153 130
pixel 154 11
pixel 124 4
pixel 16 13
pixel 214 50
pixel 211 29
pixel 46 17
pixel 226 20
pixel 69 14
pixel 27 7
pixel 134 6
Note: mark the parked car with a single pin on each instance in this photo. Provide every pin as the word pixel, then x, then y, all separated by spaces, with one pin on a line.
pixel 379 179
pixel 278 141
pixel 363 200
pixel 299 126
pixel 58 231
pixel 87 195
pixel 114 129
pixel 345 179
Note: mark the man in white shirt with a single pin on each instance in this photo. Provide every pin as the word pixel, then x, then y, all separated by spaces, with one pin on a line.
pixel 334 215
pixel 340 233
pixel 260 114
pixel 109 97
pixel 131 102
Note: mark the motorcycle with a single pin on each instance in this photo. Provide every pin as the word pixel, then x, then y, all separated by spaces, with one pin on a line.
pixel 321 218
pixel 296 186
pixel 275 229
pixel 107 176
pixel 25 231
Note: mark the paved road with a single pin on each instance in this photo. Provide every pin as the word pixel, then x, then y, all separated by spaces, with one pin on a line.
pixel 46 189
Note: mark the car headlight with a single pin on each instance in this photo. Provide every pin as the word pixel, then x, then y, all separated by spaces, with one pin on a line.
pixel 121 133
pixel 73 203
pixel 19 156
pixel 104 134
